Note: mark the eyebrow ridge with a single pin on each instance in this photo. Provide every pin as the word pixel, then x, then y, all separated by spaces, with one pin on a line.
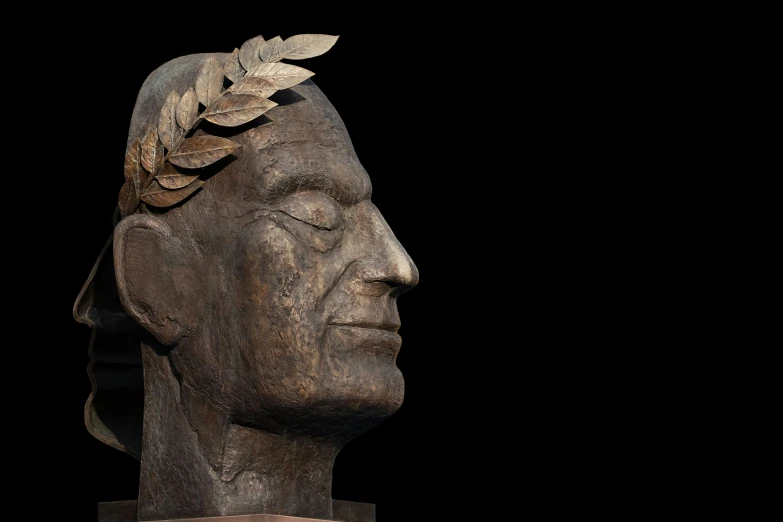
pixel 292 183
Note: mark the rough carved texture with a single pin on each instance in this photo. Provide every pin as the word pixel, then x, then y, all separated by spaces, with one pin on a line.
pixel 265 309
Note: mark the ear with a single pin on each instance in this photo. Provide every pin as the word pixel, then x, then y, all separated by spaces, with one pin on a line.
pixel 156 277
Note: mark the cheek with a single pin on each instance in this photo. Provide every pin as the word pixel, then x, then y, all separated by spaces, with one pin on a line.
pixel 279 282
pixel 270 268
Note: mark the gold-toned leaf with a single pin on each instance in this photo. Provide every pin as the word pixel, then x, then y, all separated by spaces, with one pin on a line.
pixel 146 182
pixel 171 178
pixel 129 198
pixel 252 85
pixel 231 66
pixel 304 46
pixel 133 171
pixel 187 109
pixel 201 151
pixel 236 109
pixel 248 53
pixel 209 81
pixel 282 75
pixel 160 197
pixel 168 130
pixel 271 50
pixel 152 151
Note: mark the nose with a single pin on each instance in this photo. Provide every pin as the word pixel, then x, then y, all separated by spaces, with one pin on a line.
pixel 385 261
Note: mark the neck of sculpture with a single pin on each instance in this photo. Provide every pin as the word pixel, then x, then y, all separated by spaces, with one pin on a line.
pixel 197 463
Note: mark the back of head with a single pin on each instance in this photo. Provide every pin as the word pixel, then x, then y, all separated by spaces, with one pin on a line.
pixel 113 412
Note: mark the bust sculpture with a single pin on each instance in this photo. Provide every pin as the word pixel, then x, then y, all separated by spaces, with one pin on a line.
pixel 244 310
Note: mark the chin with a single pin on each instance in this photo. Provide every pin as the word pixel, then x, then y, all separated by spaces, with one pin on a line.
pixel 344 408
pixel 379 393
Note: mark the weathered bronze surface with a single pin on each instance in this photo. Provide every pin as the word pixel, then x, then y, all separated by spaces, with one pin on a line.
pixel 244 331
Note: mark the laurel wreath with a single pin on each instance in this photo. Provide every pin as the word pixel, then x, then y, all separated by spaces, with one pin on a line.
pixel 158 166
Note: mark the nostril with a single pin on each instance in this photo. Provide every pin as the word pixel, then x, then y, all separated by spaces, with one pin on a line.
pixel 377 288
pixel 392 282
pixel 392 286
pixel 400 288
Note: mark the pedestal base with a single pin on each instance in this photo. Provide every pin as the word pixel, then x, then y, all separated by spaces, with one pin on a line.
pixel 344 511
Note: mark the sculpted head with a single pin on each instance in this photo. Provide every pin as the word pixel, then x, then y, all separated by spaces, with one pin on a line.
pixel 271 291
pixel 276 283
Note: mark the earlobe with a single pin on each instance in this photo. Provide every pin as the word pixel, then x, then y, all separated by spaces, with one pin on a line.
pixel 155 281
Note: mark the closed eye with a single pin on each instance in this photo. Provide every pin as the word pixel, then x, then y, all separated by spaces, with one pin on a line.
pixel 319 227
pixel 314 208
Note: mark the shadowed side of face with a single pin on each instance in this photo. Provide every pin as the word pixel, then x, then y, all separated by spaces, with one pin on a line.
pixel 298 278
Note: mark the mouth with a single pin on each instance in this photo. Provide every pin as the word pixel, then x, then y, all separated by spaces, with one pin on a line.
pixel 389 327
pixel 377 339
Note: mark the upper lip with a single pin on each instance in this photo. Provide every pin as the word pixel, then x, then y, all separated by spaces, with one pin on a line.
pixel 391 327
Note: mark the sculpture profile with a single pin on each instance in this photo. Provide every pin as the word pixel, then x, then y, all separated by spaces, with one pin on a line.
pixel 244 311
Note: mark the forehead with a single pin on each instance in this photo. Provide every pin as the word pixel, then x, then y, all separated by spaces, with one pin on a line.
pixel 286 159
pixel 303 144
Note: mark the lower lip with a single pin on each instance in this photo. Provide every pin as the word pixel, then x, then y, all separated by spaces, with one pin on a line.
pixel 373 340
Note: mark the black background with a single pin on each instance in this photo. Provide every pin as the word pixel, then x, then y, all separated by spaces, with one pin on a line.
pixel 531 164
pixel 476 137
pixel 415 105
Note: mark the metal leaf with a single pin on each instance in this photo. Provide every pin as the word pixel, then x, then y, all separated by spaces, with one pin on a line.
pixel 201 151
pixel 248 53
pixel 282 75
pixel 271 50
pixel 187 109
pixel 128 199
pixel 304 46
pixel 129 193
pixel 173 179
pixel 133 172
pixel 231 66
pixel 152 151
pixel 230 111
pixel 160 197
pixel 168 130
pixel 146 183
pixel 209 81
pixel 252 85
